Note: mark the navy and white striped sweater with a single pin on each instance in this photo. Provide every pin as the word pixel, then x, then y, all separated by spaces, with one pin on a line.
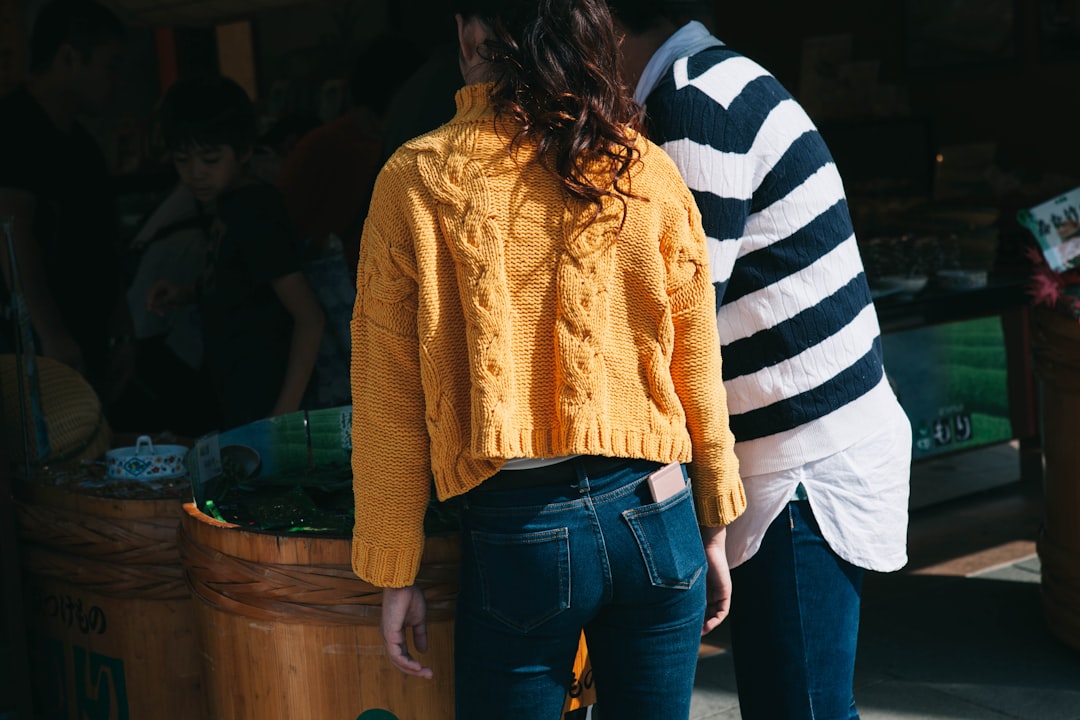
pixel 801 343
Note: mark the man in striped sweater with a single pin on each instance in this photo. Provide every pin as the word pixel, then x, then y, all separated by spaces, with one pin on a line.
pixel 824 447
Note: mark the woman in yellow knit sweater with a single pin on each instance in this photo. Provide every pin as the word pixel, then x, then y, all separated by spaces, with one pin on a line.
pixel 534 329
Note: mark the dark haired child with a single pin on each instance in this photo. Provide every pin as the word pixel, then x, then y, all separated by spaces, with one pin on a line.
pixel 261 320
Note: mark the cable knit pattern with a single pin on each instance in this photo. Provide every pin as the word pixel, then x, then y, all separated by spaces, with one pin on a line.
pixel 495 318
pixel 581 277
pixel 464 209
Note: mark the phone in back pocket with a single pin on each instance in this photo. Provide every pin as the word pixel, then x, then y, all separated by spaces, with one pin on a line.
pixel 666 481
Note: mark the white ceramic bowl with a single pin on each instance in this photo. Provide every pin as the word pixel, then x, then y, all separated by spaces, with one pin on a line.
pixel 145 461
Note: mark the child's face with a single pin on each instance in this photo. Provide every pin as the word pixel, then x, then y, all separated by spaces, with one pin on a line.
pixel 209 170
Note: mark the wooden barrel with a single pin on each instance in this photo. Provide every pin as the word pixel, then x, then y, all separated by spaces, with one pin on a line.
pixel 288 632
pixel 110 618
pixel 1056 344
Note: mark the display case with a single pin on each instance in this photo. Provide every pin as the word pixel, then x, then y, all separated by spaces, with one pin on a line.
pixel 959 361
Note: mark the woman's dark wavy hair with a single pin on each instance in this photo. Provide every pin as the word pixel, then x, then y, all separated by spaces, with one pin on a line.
pixel 556 65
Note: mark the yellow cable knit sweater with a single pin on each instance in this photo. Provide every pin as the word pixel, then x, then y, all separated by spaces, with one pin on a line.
pixel 495 320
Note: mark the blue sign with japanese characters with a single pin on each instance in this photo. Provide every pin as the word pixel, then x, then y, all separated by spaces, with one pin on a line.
pixel 952 382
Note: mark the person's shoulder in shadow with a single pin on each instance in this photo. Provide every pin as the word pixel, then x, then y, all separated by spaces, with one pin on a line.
pixel 425 101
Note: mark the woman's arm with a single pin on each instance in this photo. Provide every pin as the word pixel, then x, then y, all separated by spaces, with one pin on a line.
pixel 308 321
pixel 696 370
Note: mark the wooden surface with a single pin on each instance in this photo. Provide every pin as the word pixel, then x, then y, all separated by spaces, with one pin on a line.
pixel 164 512
pixel 14 673
pixel 306 644
pixel 112 619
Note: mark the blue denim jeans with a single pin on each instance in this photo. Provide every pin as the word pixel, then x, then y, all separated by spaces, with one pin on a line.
pixel 795 624
pixel 540 564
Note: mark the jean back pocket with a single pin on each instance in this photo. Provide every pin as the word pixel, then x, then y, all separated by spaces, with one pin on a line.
pixel 669 539
pixel 524 577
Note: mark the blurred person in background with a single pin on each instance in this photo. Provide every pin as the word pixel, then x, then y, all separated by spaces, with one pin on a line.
pixel 261 322
pixel 55 185
pixel 326 182
pixel 425 99
pixel 326 179
pixel 171 388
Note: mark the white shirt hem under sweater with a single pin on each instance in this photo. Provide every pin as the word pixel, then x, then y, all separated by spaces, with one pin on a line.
pixel 842 428
pixel 859 497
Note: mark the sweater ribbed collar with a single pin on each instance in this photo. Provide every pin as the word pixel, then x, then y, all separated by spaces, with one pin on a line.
pixel 689 40
pixel 474 102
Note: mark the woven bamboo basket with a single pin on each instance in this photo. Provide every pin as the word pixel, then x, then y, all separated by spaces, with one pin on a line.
pixel 108 607
pixel 1056 344
pixel 288 632
pixel 76 425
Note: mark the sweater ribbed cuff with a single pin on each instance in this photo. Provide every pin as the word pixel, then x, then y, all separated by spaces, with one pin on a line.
pixel 717 510
pixel 385 567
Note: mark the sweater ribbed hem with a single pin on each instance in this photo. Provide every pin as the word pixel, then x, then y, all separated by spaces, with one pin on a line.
pixel 583 438
pixel 468 471
pixel 385 567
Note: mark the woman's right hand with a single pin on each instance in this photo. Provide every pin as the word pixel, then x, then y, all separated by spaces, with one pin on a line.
pixel 718 578
pixel 405 608
pixel 167 295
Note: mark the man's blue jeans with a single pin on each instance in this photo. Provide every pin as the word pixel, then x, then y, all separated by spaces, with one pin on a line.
pixel 795 624
pixel 539 564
